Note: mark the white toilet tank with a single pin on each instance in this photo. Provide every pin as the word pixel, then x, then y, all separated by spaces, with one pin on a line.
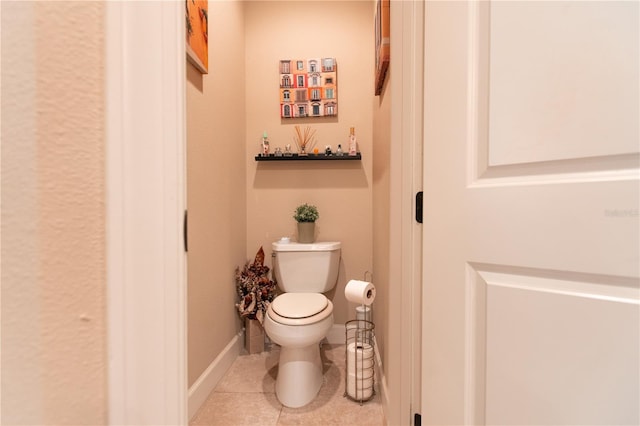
pixel 306 268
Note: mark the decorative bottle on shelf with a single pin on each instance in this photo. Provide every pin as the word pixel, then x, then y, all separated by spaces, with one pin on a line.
pixel 265 144
pixel 353 145
pixel 339 152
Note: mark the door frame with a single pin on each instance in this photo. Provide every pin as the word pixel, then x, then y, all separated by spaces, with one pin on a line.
pixel 145 201
pixel 407 41
pixel 146 295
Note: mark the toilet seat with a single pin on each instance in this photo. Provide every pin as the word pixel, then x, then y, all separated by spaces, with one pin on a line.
pixel 300 308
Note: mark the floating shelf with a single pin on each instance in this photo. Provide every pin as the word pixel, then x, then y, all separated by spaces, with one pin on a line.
pixel 309 157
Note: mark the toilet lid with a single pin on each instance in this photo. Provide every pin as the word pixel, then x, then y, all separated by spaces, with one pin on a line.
pixel 299 305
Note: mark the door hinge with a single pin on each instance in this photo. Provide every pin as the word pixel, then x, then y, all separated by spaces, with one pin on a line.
pixel 419 207
pixel 417 419
pixel 185 226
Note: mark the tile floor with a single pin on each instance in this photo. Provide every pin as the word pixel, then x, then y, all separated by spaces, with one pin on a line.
pixel 246 396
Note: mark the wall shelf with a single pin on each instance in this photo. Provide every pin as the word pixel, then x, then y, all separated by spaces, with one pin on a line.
pixel 310 157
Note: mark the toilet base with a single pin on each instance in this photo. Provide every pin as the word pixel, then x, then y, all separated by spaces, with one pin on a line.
pixel 299 375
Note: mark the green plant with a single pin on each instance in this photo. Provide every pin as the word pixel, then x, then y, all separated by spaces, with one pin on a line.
pixel 306 213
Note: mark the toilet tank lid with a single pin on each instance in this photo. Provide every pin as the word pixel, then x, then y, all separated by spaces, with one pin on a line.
pixel 319 246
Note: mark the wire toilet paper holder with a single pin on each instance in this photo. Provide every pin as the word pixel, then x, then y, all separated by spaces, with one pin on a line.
pixel 359 351
pixel 359 377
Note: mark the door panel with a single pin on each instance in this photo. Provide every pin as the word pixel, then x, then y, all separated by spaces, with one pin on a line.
pixel 524 332
pixel 530 333
pixel 531 301
pixel 581 85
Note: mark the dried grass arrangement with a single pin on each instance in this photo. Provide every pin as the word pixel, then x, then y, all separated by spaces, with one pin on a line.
pixel 304 139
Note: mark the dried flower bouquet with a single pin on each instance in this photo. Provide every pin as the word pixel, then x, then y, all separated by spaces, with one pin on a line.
pixel 255 289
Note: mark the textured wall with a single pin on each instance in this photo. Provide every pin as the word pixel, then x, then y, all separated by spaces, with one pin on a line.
pixel 341 191
pixel 216 187
pixel 53 243
pixel 381 216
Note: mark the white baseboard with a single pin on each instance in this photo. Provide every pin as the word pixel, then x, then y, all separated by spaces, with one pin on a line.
pixel 382 380
pixel 208 380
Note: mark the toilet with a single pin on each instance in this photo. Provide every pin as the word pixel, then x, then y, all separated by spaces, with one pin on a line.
pixel 300 317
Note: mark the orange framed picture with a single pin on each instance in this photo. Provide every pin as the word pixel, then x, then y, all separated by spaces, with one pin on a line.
pixel 197 33
pixel 308 87
pixel 382 43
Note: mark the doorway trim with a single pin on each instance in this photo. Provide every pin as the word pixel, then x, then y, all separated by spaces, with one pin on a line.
pixel 407 41
pixel 145 201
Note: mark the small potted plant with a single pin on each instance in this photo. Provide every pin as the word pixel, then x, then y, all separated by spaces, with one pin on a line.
pixel 306 216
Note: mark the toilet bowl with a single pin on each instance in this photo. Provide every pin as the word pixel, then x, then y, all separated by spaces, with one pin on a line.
pixel 300 317
pixel 298 323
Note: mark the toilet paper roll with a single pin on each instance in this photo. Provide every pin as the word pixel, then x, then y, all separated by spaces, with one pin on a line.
pixel 361 292
pixel 360 359
pixel 359 388
pixel 363 313
pixel 362 350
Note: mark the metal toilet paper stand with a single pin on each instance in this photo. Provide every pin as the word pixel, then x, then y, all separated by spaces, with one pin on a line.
pixel 359 378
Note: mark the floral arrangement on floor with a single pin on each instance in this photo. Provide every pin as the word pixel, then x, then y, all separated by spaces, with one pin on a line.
pixel 255 289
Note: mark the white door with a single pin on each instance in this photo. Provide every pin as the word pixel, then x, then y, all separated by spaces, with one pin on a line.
pixel 531 183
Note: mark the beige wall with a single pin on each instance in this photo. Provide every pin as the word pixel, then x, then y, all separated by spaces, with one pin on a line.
pixel 385 282
pixel 381 220
pixel 53 237
pixel 216 187
pixel 341 191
